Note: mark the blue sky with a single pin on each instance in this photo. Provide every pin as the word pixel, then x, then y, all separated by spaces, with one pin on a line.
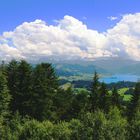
pixel 93 13
pixel 85 29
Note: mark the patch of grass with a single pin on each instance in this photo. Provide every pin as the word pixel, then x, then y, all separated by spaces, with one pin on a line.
pixel 122 91
pixel 127 97
pixel 81 76
pixel 66 86
pixel 81 89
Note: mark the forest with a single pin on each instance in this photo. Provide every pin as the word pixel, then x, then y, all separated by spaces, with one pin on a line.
pixel 33 106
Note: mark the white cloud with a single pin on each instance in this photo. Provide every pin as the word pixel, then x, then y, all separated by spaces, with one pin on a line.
pixel 125 37
pixel 112 18
pixel 71 39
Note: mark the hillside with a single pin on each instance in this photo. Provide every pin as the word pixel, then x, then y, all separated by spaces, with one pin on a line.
pixel 83 70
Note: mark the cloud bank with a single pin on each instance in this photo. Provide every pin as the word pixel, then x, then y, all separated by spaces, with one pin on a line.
pixel 71 39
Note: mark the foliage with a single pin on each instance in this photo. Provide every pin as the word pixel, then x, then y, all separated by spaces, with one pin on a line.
pixel 33 106
pixel 134 127
pixel 134 105
pixel 5 97
pixel 116 128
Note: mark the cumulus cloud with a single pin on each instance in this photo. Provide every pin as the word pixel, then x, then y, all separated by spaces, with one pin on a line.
pixel 125 37
pixel 71 39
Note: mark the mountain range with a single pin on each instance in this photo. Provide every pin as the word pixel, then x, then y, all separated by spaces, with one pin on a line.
pixel 108 66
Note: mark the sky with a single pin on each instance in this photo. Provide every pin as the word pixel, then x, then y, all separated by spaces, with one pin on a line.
pixel 79 29
pixel 92 12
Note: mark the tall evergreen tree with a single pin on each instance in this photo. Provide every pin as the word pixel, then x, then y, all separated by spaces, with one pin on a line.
pixel 4 96
pixel 3 67
pixel 25 94
pixel 64 103
pixel 134 105
pixel 45 88
pixel 12 78
pixel 94 96
pixel 20 86
pixel 115 98
pixel 104 98
pixel 134 127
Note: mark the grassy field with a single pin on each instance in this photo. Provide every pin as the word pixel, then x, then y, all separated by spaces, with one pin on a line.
pixel 78 77
pixel 66 86
pixel 81 90
pixel 126 97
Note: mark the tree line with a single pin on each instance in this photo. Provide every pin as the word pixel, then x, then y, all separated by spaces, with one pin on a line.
pixel 33 106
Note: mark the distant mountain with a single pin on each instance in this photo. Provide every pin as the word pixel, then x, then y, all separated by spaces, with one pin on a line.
pixel 131 69
pixel 108 66
pixel 69 69
pixel 115 65
pixel 119 66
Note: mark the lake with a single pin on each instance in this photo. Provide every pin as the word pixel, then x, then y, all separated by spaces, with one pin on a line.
pixel 117 78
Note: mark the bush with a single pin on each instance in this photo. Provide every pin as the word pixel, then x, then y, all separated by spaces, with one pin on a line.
pixel 76 129
pixel 34 130
pixel 94 126
pixel 116 125
pixel 134 127
pixel 62 131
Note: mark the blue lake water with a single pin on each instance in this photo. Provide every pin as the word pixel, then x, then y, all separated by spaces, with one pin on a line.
pixel 117 78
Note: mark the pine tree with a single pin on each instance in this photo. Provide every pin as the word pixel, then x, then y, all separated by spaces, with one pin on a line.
pixel 64 103
pixel 115 98
pixel 94 96
pixel 3 67
pixel 4 96
pixel 45 88
pixel 104 98
pixel 134 105
pixel 24 96
pixel 134 127
pixel 20 86
pixel 12 78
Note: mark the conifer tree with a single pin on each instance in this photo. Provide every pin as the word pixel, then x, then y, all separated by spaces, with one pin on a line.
pixel 4 96
pixel 3 67
pixel 134 127
pixel 45 88
pixel 24 96
pixel 115 98
pixel 103 98
pixel 20 86
pixel 94 96
pixel 134 105
pixel 12 78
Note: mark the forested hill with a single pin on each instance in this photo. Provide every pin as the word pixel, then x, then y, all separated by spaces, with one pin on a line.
pixel 103 66
pixel 33 106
